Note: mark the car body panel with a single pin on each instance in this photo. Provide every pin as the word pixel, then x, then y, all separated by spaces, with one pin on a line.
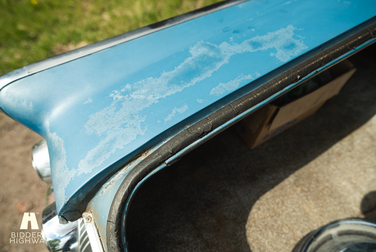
pixel 102 110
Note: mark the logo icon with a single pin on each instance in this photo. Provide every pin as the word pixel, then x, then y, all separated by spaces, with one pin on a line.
pixel 29 217
pixel 25 237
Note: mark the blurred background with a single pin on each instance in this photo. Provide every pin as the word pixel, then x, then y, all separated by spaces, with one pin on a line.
pixel 33 30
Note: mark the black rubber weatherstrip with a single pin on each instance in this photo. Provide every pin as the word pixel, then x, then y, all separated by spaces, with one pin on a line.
pixel 306 64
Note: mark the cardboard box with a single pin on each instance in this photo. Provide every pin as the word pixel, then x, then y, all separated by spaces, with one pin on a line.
pixel 276 117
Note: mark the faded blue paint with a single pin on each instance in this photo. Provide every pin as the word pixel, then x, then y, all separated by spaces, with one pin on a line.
pixel 213 133
pixel 100 205
pixel 99 111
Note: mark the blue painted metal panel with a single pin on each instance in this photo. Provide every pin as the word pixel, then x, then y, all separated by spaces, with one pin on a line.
pixel 100 205
pixel 110 105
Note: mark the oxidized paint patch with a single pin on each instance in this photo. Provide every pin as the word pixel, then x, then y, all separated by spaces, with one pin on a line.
pixel 176 110
pixel 231 85
pixel 15 98
pixel 120 123
pixel 88 101
pixel 58 160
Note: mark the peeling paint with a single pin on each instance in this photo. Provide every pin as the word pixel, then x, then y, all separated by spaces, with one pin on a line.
pixel 26 106
pixel 282 40
pixel 231 85
pixel 176 110
pixel 90 100
pixel 120 123
pixel 119 100
pixel 58 161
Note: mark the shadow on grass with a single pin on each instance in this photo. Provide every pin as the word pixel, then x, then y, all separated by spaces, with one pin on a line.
pixel 203 201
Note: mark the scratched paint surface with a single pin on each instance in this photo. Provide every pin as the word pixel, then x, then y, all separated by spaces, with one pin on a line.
pixel 107 106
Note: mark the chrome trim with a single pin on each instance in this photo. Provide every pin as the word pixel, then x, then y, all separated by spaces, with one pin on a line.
pixel 92 232
pixel 83 237
pixel 110 42
pixel 41 161
pixel 12 76
pixel 70 237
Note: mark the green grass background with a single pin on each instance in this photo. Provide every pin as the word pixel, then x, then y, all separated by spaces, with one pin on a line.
pixel 32 30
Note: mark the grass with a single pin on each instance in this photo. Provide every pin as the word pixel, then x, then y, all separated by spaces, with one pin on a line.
pixel 32 30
